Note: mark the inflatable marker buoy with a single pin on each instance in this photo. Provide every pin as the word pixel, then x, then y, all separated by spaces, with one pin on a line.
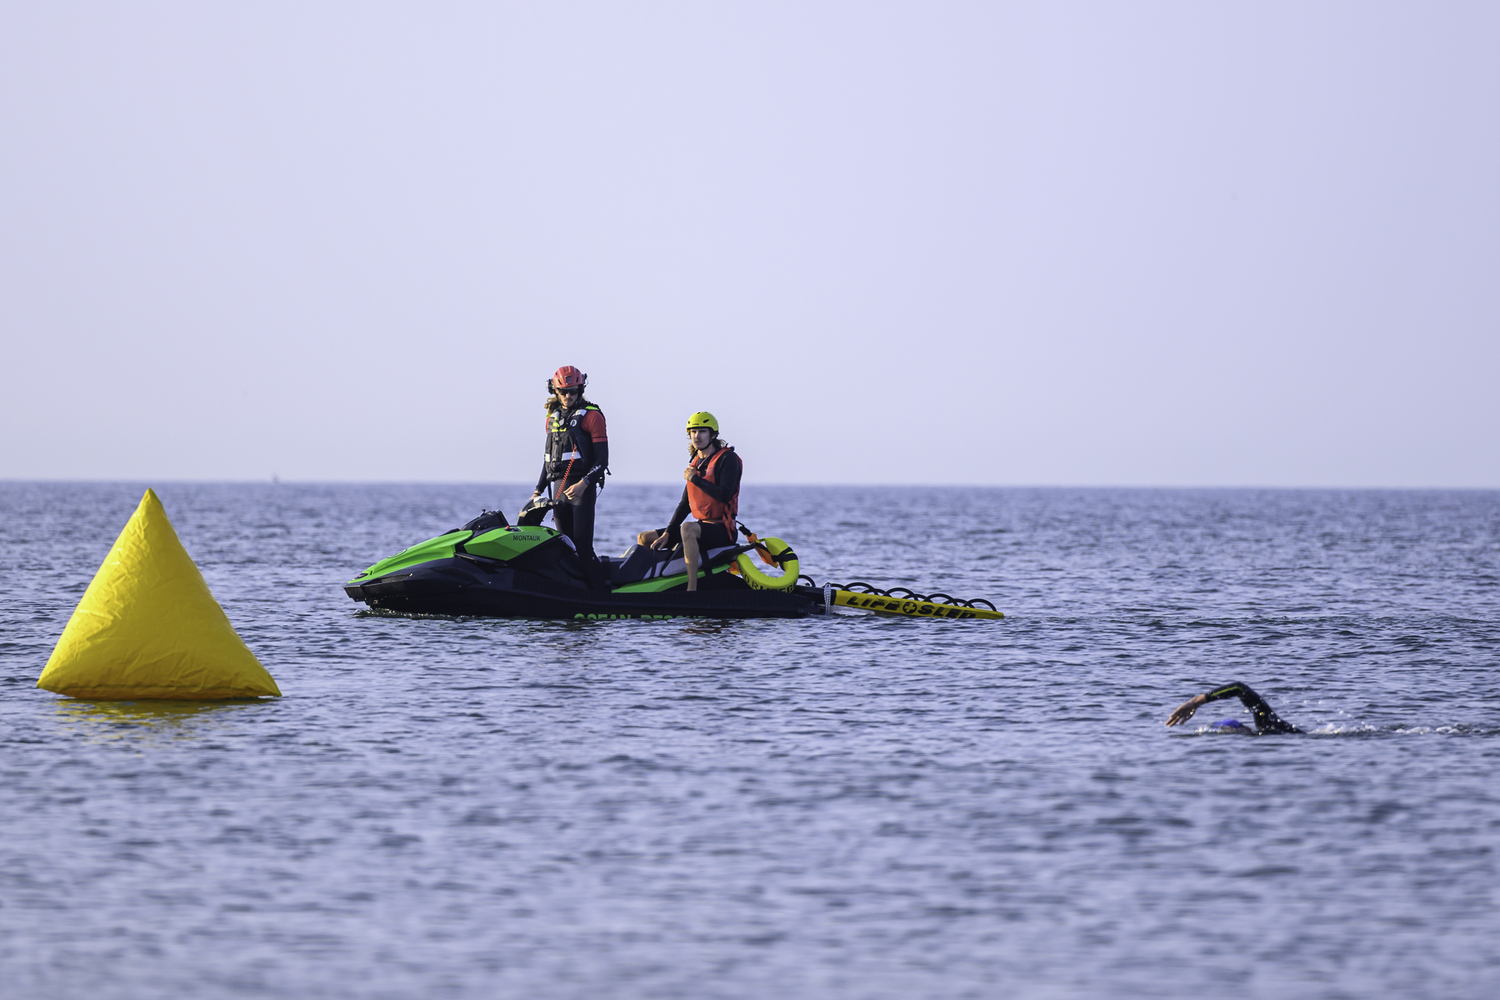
pixel 773 552
pixel 149 628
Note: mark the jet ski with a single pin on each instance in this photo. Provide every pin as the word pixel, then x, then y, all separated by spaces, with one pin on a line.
pixel 492 568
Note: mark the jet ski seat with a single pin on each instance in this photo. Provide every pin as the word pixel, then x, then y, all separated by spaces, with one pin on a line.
pixel 642 562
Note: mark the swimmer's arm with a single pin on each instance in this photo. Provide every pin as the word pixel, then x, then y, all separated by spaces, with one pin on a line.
pixel 1266 720
pixel 1185 711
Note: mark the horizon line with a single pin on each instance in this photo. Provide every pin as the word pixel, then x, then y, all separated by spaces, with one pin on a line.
pixel 278 481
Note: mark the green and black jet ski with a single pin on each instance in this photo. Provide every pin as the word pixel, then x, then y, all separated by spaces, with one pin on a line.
pixel 493 568
pixel 490 567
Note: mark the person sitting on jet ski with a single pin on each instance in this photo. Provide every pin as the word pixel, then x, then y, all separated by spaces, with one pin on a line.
pixel 574 463
pixel 712 493
pixel 1266 721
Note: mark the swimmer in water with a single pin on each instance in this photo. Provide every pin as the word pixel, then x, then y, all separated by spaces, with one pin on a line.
pixel 1266 721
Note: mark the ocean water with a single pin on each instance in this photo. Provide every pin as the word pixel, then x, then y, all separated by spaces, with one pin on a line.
pixel 851 807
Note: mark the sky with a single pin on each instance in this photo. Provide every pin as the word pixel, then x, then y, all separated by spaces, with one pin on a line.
pixel 1156 244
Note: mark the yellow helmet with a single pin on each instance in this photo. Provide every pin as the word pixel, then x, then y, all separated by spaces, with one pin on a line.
pixel 703 419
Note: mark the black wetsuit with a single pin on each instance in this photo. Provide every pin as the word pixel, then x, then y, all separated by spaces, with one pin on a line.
pixel 577 449
pixel 1266 721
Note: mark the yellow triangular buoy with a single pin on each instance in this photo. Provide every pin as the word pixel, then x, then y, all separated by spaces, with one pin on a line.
pixel 148 627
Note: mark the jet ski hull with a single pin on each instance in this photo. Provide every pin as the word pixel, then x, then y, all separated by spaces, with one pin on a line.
pixel 467 586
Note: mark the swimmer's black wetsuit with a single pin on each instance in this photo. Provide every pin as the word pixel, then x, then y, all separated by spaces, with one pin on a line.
pixel 1266 721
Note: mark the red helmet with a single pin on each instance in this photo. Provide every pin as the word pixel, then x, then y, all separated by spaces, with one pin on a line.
pixel 567 376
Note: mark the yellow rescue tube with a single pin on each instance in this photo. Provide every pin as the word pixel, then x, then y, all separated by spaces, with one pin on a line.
pixel 148 627
pixel 758 578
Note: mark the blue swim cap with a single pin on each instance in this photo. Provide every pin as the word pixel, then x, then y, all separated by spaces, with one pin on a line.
pixel 1229 724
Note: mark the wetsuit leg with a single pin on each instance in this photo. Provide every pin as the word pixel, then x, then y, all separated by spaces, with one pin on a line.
pixel 576 520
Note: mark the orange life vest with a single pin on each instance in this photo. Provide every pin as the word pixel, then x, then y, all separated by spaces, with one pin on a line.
pixel 705 507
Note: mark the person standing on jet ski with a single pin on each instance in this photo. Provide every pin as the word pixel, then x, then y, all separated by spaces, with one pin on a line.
pixel 1266 720
pixel 576 458
pixel 712 493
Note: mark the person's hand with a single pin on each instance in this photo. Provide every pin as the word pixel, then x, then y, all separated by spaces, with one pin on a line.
pixel 571 493
pixel 660 541
pixel 1185 711
pixel 689 473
